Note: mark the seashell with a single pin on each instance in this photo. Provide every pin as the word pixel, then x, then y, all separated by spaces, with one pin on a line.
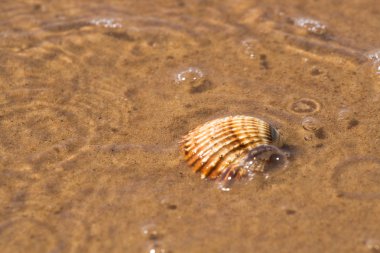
pixel 231 147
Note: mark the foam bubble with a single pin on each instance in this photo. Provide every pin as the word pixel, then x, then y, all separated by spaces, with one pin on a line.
pixel 311 124
pixel 189 76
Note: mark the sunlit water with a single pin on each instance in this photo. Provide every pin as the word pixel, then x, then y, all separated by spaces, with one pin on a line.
pixel 95 97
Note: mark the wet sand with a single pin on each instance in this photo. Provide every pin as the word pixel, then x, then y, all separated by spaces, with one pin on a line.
pixel 96 95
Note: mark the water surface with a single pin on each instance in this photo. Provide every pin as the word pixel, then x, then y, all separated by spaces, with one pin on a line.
pixel 95 96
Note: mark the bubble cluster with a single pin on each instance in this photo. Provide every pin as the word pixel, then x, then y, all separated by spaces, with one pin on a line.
pixel 250 48
pixel 312 26
pixel 106 22
pixel 305 106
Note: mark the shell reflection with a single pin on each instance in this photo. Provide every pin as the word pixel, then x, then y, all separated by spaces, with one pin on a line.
pixel 234 147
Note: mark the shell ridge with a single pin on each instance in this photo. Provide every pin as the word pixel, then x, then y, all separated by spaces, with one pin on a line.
pixel 206 147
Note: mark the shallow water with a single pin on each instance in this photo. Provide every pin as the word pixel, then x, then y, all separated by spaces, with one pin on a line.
pixel 95 96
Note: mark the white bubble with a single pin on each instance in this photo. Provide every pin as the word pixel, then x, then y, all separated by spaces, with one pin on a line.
pixel 189 75
pixel 344 114
pixel 311 124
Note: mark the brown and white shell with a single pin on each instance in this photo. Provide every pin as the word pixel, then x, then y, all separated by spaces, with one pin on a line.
pixel 222 146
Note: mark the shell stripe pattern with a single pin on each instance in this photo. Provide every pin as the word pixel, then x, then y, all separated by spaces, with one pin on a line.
pixel 218 144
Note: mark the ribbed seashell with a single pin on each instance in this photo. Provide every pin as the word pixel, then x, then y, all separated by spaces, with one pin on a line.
pixel 230 147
